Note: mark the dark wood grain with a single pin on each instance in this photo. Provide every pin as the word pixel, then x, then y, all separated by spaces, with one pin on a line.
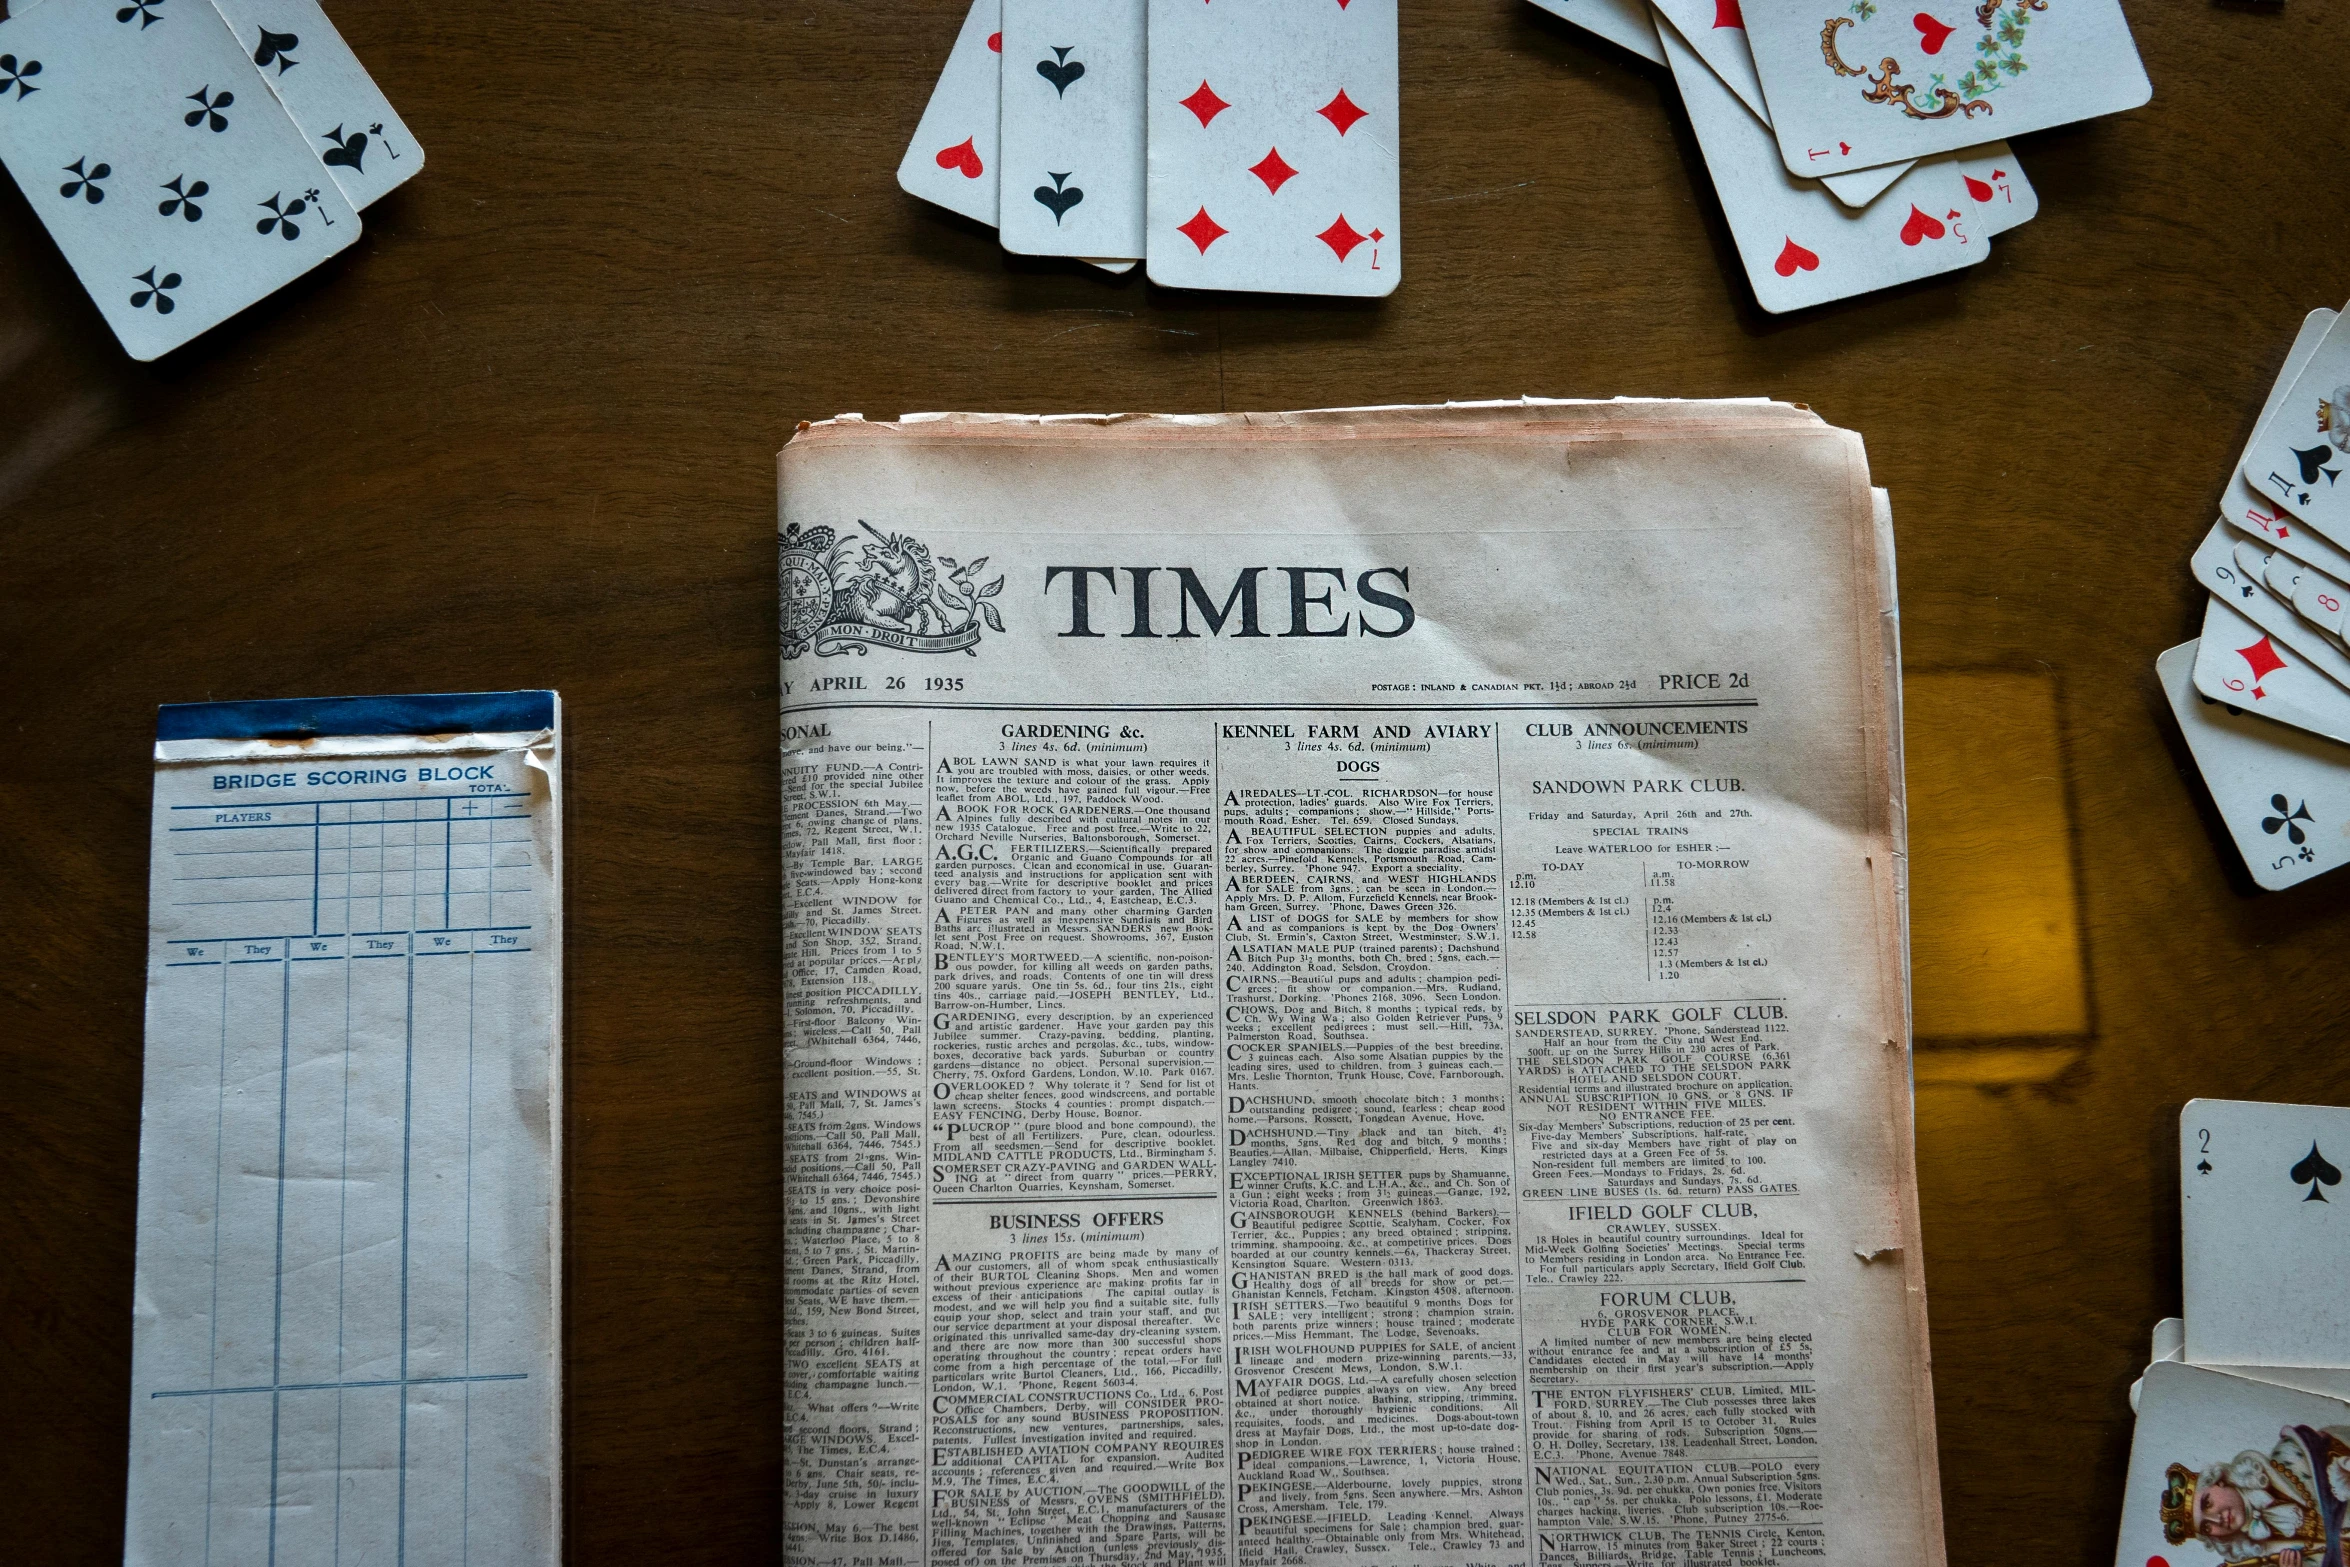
pixel 523 434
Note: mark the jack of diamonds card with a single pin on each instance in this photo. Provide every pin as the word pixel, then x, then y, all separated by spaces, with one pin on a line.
pixel 1274 146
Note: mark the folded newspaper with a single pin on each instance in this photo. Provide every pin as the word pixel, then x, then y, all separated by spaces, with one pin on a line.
pixel 1346 992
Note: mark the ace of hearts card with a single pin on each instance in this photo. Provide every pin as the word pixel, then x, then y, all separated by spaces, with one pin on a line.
pixel 1853 83
pixel 1273 146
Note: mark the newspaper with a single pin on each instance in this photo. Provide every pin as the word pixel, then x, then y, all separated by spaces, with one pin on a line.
pixel 1346 994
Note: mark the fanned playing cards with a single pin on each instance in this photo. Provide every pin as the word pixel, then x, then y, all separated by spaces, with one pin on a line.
pixel 2263 696
pixel 192 156
pixel 1856 145
pixel 2241 1452
pixel 1231 147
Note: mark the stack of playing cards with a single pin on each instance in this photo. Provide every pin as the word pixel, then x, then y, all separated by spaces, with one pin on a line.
pixel 1228 146
pixel 2263 695
pixel 191 156
pixel 2242 1451
pixel 1852 141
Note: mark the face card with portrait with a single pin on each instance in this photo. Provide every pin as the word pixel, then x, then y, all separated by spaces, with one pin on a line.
pixel 2227 1472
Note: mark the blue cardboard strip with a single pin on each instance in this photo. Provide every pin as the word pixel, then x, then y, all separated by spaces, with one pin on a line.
pixel 308 718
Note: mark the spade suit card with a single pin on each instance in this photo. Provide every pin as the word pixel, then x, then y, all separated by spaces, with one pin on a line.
pixel 1802 247
pixel 2284 793
pixel 1072 128
pixel 1273 146
pixel 350 123
pixel 951 162
pixel 1625 23
pixel 2301 456
pixel 2264 1225
pixel 2254 512
pixel 1852 83
pixel 2242 665
pixel 2224 1470
pixel 175 183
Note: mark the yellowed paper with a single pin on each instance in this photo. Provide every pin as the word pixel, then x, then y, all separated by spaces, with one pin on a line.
pixel 1345 992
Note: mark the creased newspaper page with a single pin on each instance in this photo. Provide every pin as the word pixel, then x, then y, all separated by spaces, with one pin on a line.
pixel 1345 994
pixel 346 1342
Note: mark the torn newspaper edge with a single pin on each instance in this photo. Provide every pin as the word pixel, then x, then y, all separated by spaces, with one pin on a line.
pixel 346 1329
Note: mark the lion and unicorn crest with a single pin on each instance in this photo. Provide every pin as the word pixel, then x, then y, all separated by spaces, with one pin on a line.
pixel 847 594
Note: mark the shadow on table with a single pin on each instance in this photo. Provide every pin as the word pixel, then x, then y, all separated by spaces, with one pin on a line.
pixel 1999 950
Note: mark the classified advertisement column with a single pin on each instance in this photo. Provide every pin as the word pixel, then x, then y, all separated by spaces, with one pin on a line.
pixel 853 1120
pixel 1375 1338
pixel 1075 1407
pixel 1658 1046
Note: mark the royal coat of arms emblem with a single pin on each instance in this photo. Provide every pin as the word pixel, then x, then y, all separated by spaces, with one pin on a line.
pixel 845 595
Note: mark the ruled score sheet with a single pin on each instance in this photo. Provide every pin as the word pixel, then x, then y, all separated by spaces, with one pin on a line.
pixel 346 1324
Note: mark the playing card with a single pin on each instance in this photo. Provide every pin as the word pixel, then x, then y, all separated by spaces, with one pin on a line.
pixel 2284 794
pixel 952 159
pixel 1714 32
pixel 1995 183
pixel 2242 665
pixel 2302 451
pixel 2246 507
pixel 1622 22
pixel 2170 1343
pixel 174 182
pixel 2259 1181
pixel 351 124
pixel 2227 1470
pixel 1852 85
pixel 2314 596
pixel 1801 247
pixel 1859 187
pixel 2234 567
pixel 1072 128
pixel 1273 140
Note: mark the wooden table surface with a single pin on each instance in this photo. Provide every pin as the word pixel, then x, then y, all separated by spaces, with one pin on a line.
pixel 523 434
